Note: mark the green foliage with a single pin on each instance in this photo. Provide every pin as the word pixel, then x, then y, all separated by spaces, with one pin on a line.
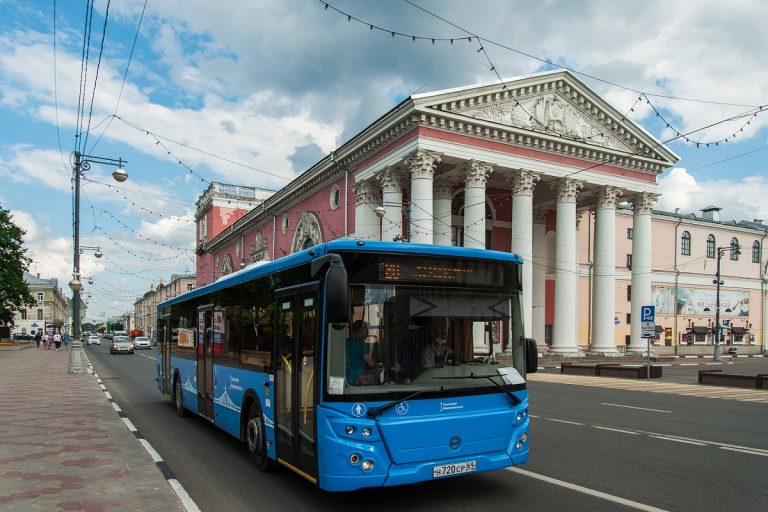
pixel 14 292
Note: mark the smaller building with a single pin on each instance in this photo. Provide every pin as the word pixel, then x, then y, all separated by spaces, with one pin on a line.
pixel 144 309
pixel 50 313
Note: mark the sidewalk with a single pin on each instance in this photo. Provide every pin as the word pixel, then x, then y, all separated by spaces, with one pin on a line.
pixel 64 447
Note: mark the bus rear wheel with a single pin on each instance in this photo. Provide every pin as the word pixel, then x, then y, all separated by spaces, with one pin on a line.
pixel 256 440
pixel 178 398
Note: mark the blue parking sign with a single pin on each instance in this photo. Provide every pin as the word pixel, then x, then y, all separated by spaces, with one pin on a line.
pixel 648 313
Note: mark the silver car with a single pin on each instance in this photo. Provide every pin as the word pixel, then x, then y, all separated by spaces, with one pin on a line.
pixel 121 344
pixel 142 342
pixel 94 340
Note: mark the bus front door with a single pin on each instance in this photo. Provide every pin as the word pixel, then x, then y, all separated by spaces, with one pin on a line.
pixel 295 380
pixel 205 362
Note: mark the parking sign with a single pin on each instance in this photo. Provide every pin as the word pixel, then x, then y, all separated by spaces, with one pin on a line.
pixel 648 313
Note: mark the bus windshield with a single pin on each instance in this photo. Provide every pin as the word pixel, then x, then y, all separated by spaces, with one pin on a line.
pixel 447 326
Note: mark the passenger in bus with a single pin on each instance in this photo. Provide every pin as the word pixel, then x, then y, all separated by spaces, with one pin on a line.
pixel 436 353
pixel 359 356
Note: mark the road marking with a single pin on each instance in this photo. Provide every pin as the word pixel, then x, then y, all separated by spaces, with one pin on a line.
pixel 116 407
pixel 689 364
pixel 638 408
pixel 129 424
pixel 618 430
pixel 677 440
pixel 751 452
pixel 585 490
pixel 186 499
pixel 565 421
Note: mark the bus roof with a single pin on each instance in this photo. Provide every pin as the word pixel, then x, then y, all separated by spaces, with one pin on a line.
pixel 262 268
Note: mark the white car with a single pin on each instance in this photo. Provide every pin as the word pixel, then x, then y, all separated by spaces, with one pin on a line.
pixel 94 340
pixel 142 342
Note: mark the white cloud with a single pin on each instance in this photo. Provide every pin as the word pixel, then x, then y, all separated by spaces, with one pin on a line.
pixel 43 168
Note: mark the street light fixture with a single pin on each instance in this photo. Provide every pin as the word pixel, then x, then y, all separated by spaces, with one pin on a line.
pixel 83 163
pixel 735 250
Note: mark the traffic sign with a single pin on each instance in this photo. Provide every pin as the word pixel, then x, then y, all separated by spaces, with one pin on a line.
pixel 648 313
pixel 647 330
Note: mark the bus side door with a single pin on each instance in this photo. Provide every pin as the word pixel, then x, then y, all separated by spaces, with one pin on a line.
pixel 205 361
pixel 295 379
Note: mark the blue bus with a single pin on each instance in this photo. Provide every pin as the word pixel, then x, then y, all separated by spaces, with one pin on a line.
pixel 359 364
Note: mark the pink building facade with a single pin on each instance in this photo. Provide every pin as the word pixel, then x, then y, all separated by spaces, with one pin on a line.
pixel 540 166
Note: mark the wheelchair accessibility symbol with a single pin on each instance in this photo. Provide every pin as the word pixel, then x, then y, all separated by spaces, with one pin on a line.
pixel 401 408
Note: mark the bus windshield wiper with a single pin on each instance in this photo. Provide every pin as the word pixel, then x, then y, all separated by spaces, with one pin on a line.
pixel 377 411
pixel 511 395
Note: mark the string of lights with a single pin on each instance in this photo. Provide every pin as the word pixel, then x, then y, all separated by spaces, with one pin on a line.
pixel 145 238
pixel 133 253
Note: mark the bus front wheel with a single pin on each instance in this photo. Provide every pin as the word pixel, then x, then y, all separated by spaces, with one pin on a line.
pixel 178 398
pixel 256 440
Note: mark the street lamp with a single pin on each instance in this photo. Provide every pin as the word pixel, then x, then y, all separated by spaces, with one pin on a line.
pixel 735 251
pixel 82 164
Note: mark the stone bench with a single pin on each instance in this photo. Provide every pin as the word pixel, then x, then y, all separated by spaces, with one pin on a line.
pixel 718 378
pixel 610 370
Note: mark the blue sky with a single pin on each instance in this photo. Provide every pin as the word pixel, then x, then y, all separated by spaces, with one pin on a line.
pixel 253 93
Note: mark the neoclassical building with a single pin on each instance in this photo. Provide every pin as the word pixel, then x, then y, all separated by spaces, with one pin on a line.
pixel 539 166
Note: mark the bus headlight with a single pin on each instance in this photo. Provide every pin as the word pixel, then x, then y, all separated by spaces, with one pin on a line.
pixel 367 465
pixel 366 432
pixel 349 429
pixel 354 458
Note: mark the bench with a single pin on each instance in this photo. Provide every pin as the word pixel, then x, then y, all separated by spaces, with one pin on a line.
pixel 718 378
pixel 610 370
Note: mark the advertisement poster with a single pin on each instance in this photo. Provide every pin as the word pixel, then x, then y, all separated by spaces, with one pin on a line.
pixel 218 331
pixel 694 301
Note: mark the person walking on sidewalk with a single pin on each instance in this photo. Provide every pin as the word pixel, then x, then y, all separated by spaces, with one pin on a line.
pixel 57 340
pixel 45 341
pixel 38 338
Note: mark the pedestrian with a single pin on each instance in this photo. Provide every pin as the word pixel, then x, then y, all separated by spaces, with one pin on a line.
pixel 57 340
pixel 66 341
pixel 49 342
pixel 38 338
pixel 45 341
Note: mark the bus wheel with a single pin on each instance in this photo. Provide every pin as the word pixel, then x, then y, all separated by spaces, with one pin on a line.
pixel 256 439
pixel 178 398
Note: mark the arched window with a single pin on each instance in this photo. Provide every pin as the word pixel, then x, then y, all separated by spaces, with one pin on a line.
pixel 735 251
pixel 756 252
pixel 711 246
pixel 685 244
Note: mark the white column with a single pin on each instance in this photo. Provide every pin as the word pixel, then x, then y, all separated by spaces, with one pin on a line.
pixel 641 266
pixel 523 184
pixel 474 203
pixel 564 335
pixel 604 291
pixel 577 287
pixel 390 181
pixel 443 188
pixel 421 164
pixel 367 224
pixel 539 264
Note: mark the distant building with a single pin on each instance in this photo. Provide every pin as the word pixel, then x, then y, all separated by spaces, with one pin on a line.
pixel 51 309
pixel 144 316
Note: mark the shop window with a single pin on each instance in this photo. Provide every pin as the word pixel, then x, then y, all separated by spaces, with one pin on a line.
pixel 756 252
pixel 685 244
pixel 711 246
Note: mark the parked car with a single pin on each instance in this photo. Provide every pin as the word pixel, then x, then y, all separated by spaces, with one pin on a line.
pixel 22 337
pixel 94 340
pixel 142 342
pixel 121 344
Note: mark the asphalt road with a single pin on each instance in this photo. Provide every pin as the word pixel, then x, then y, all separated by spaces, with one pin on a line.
pixel 601 449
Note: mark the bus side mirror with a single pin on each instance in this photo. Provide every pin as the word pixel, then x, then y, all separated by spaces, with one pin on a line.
pixel 531 356
pixel 336 293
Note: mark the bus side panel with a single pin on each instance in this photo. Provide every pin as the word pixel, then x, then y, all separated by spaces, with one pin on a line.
pixel 187 369
pixel 230 386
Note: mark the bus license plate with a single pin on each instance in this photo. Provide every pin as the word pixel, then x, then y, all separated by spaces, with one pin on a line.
pixel 454 469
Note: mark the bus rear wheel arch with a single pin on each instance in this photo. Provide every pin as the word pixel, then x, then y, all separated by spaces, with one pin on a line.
pixel 255 438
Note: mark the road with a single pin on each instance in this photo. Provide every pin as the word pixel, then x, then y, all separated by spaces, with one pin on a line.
pixel 593 448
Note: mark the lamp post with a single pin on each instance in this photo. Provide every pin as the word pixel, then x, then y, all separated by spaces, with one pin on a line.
pixel 735 250
pixel 83 163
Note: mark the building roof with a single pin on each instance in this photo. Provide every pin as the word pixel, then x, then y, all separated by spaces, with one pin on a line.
pixel 37 281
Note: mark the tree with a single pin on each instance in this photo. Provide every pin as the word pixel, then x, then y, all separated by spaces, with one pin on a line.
pixel 14 292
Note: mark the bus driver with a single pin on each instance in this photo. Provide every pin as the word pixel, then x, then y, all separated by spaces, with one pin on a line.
pixel 359 356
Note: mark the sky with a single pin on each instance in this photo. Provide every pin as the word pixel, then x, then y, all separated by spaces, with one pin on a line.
pixel 253 93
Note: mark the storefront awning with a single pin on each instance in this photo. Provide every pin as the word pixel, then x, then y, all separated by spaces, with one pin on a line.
pixel 738 330
pixel 698 329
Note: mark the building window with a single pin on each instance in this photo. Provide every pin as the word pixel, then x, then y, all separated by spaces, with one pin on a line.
pixel 685 244
pixel 735 249
pixel 627 339
pixel 711 246
pixel 40 314
pixel 190 287
pixel 40 297
pixel 630 232
pixel 629 318
pixel 23 313
pixel 629 293
pixel 756 252
pixel 629 262
pixel 335 197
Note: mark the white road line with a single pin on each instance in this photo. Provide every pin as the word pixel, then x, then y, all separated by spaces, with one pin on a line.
pixel 618 430
pixel 106 393
pixel 564 421
pixel 743 451
pixel 130 425
pixel 116 407
pixel 638 408
pixel 151 451
pixel 585 490
pixel 186 499
pixel 688 364
pixel 664 438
